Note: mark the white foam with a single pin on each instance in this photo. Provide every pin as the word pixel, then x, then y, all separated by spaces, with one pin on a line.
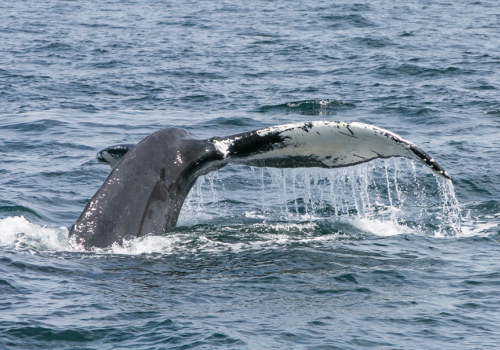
pixel 145 245
pixel 380 227
pixel 480 228
pixel 254 215
pixel 20 234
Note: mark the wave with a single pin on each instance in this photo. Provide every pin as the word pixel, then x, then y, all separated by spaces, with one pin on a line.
pixel 407 69
pixel 348 21
pixel 309 107
pixel 19 210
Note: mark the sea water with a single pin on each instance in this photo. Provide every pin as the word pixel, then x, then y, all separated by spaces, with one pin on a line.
pixel 380 255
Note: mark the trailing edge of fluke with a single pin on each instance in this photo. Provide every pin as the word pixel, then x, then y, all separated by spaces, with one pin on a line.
pixel 145 191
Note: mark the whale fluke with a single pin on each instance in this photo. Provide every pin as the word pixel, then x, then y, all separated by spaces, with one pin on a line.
pixel 113 154
pixel 149 182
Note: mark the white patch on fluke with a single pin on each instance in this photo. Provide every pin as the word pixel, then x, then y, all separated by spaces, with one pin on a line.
pixel 332 143
pixel 223 145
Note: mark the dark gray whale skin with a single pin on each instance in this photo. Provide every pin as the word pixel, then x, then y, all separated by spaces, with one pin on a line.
pixel 151 183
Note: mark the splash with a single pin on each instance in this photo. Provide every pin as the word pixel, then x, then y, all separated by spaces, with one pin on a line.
pixel 309 107
pixel 451 217
pixel 21 235
pixel 260 208
pixel 383 197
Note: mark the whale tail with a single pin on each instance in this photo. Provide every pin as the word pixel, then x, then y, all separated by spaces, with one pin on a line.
pixel 149 182
pixel 113 154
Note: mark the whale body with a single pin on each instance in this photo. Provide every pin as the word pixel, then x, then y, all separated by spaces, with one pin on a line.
pixel 149 182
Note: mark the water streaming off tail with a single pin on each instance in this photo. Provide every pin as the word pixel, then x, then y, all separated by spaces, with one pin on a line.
pixel 394 191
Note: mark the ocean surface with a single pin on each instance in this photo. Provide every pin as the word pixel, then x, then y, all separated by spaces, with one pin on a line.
pixel 383 255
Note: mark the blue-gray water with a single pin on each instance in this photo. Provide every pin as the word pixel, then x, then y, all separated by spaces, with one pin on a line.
pixel 383 255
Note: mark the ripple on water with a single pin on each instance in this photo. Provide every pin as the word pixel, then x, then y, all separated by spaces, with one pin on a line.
pixel 385 257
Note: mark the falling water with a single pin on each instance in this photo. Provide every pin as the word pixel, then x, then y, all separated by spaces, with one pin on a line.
pixel 394 191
